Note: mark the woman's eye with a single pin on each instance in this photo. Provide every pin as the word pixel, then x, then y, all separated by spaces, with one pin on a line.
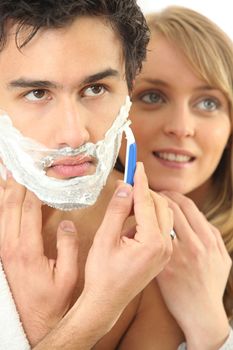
pixel 36 95
pixel 152 97
pixel 94 90
pixel 208 104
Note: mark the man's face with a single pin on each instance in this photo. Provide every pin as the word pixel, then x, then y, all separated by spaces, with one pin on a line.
pixel 66 86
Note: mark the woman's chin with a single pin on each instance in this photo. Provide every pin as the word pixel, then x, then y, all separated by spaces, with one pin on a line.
pixel 169 186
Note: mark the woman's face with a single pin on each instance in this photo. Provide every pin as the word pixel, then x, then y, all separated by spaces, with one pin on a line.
pixel 181 124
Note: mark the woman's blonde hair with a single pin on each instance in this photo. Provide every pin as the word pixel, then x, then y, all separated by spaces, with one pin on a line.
pixel 209 52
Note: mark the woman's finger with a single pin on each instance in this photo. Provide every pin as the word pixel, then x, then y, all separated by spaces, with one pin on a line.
pixel 182 228
pixel 195 219
pixel 220 242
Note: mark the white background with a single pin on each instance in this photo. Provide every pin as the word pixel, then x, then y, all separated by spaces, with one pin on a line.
pixel 218 11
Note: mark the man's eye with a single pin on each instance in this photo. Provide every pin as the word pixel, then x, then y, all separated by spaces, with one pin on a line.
pixel 152 97
pixel 94 90
pixel 208 104
pixel 36 95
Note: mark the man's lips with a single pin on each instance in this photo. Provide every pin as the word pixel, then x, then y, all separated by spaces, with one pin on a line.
pixel 76 160
pixel 72 167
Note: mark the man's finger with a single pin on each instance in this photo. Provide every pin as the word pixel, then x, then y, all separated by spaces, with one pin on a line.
pixel 144 208
pixel 67 254
pixel 11 210
pixel 117 212
pixel 31 224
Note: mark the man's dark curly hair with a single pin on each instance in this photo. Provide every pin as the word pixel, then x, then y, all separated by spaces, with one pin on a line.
pixel 125 17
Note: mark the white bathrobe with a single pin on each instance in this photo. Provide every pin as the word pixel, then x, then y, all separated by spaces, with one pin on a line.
pixel 12 335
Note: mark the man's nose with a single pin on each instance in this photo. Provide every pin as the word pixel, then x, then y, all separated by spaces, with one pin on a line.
pixel 180 122
pixel 71 126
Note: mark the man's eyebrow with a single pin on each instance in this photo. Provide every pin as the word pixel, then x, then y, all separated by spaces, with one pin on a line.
pixel 101 75
pixel 46 84
pixel 27 83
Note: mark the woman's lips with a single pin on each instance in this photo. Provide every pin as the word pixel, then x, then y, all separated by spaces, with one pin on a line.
pixel 174 159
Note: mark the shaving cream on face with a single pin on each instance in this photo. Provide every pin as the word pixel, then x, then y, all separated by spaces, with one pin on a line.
pixel 27 159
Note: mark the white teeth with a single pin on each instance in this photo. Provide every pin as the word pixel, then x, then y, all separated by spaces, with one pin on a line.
pixel 181 158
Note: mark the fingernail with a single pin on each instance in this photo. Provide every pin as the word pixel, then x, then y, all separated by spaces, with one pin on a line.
pixel 123 192
pixel 67 226
pixel 140 165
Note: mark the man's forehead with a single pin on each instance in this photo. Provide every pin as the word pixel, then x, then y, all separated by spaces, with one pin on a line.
pixel 22 34
pixel 63 47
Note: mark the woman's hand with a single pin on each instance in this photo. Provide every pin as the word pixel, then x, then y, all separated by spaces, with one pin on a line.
pixel 42 287
pixel 193 282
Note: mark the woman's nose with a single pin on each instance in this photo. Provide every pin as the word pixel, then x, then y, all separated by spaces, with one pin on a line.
pixel 180 122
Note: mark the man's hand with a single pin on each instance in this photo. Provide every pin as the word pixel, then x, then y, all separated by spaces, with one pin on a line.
pixel 42 287
pixel 120 264
pixel 124 262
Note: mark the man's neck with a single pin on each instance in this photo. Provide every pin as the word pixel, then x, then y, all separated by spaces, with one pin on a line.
pixel 86 220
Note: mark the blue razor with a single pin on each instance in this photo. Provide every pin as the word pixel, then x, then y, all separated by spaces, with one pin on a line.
pixel 131 156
